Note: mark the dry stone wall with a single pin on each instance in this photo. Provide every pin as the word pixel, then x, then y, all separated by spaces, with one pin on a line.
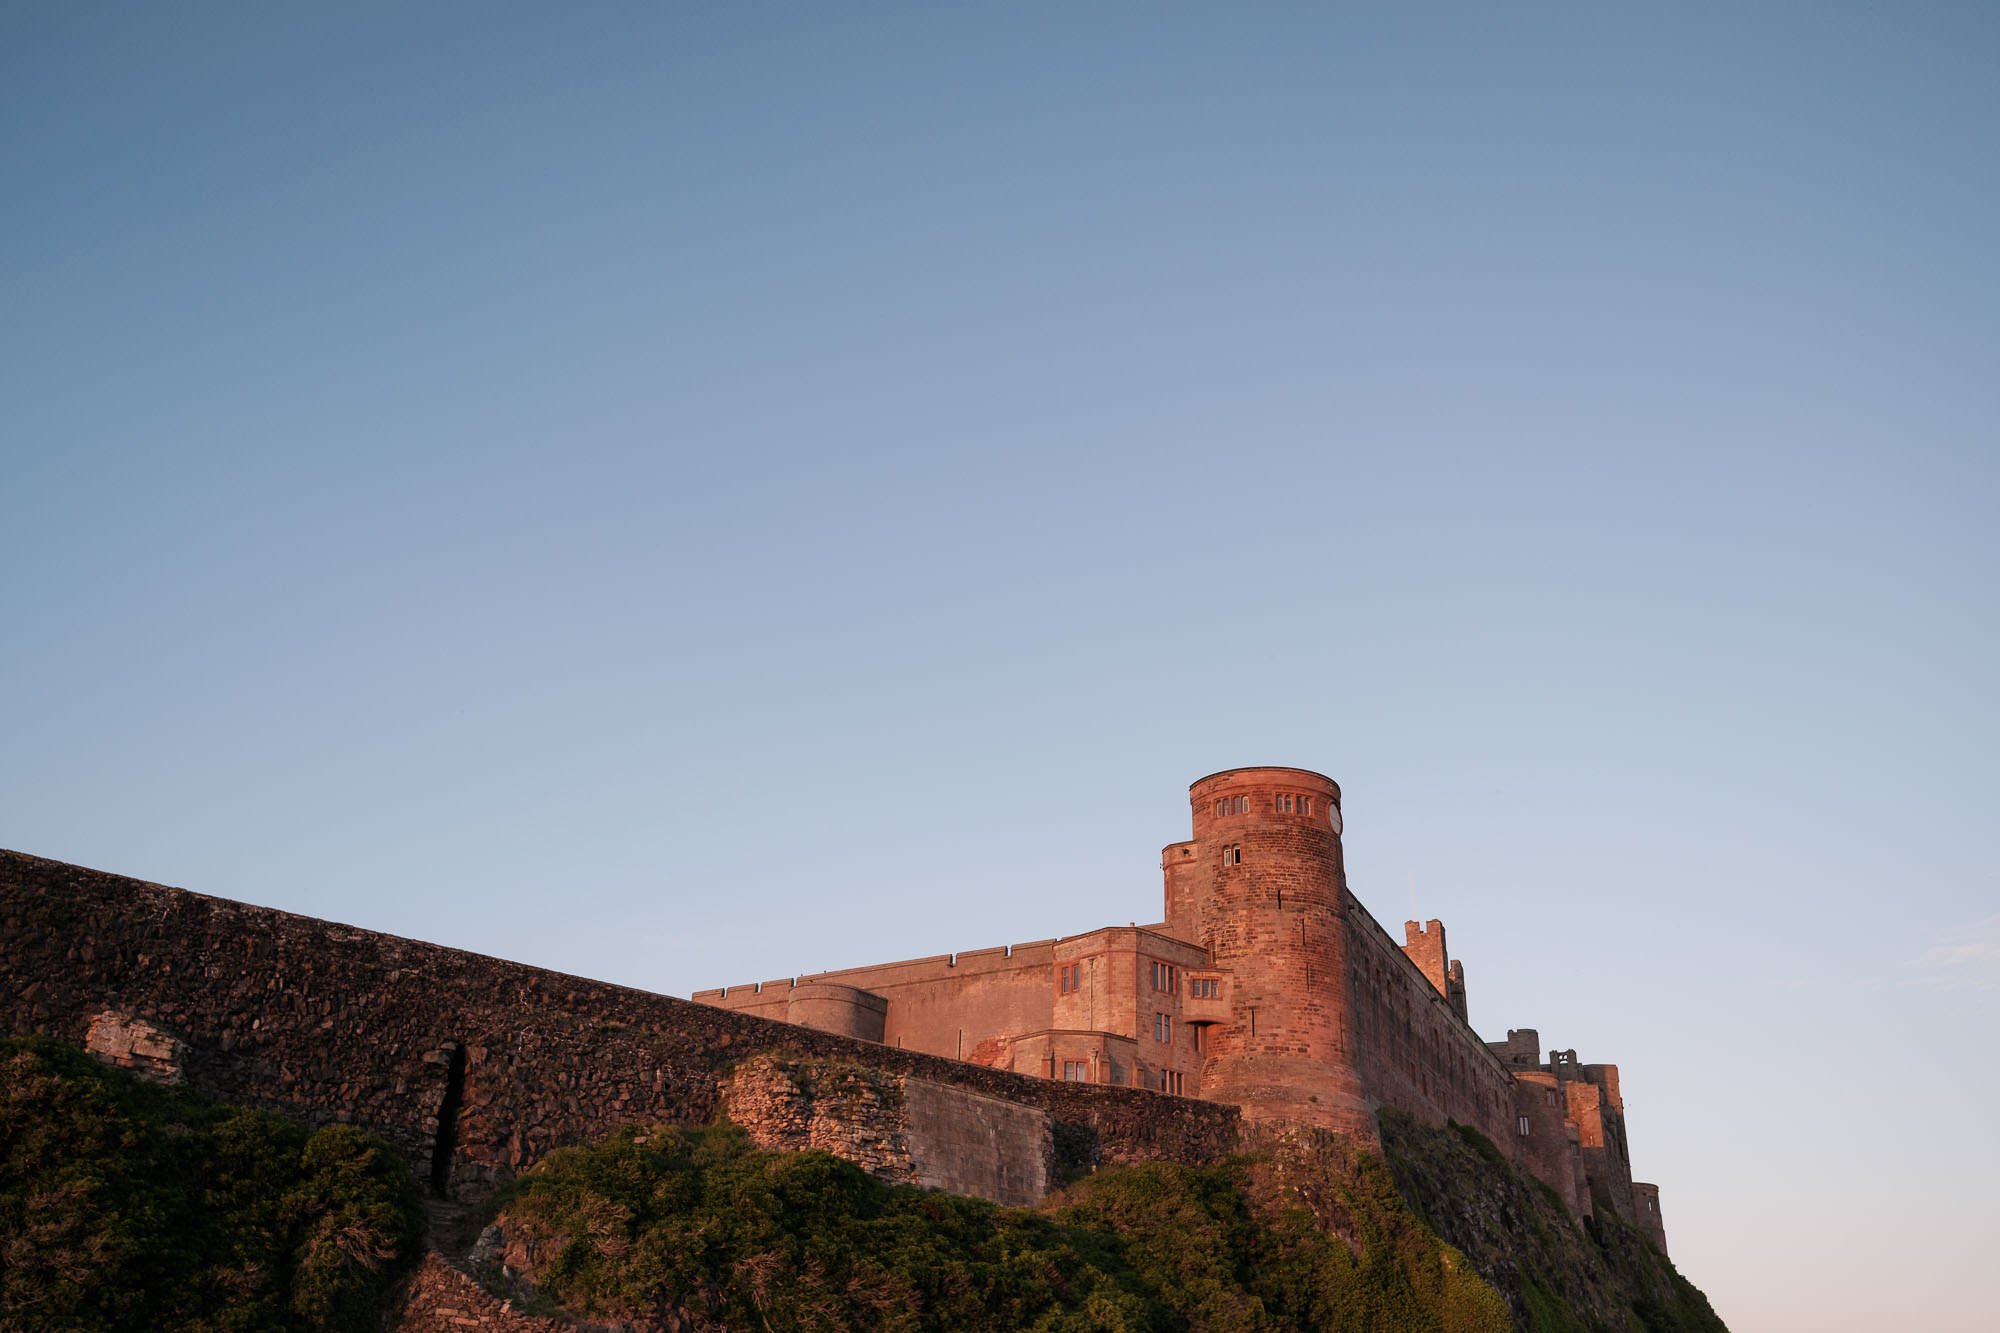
pixel 790 1104
pixel 440 1299
pixel 473 1067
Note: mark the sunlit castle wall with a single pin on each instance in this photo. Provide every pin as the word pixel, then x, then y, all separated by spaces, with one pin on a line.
pixel 1260 888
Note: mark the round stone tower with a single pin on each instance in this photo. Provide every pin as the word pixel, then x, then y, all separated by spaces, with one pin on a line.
pixel 1260 886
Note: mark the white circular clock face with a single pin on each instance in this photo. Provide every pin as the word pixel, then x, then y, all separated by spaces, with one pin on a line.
pixel 1336 819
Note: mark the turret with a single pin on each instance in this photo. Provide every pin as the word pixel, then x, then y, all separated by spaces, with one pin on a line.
pixel 1646 1212
pixel 1260 886
pixel 1426 947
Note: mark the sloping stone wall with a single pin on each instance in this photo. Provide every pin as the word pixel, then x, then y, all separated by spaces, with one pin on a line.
pixel 498 1062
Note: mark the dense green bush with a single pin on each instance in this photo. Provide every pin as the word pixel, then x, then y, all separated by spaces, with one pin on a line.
pixel 700 1224
pixel 124 1205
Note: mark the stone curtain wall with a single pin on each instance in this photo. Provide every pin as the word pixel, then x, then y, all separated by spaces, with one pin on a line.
pixel 499 1062
pixel 1412 1049
pixel 946 1004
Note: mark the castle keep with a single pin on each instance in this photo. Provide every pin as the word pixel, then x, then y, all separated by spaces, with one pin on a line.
pixel 1266 986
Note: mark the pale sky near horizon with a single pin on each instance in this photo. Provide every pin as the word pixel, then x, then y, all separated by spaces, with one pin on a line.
pixel 688 495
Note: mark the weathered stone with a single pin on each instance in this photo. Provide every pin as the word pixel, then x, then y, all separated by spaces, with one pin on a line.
pixel 133 1043
pixel 548 1060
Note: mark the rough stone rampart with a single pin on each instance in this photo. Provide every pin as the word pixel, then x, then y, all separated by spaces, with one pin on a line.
pixel 473 1067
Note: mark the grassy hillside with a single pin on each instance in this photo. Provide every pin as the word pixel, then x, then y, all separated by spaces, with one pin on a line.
pixel 129 1206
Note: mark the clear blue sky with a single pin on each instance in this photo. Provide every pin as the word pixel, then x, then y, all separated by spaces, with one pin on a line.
pixel 694 494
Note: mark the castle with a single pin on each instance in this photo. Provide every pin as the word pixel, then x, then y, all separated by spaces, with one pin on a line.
pixel 1267 993
pixel 1266 986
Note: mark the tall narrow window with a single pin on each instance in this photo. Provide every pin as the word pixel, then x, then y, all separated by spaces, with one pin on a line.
pixel 1524 1126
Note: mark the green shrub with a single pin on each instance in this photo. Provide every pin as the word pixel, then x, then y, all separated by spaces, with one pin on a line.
pixel 124 1205
pixel 698 1223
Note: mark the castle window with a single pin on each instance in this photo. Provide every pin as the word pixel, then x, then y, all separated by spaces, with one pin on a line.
pixel 1305 805
pixel 1232 855
pixel 1200 1046
pixel 1163 1028
pixel 1069 977
pixel 1170 1082
pixel 1163 978
pixel 1204 988
pixel 1524 1126
pixel 1073 1071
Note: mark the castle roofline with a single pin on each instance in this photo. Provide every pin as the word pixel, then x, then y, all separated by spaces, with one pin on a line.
pixel 1263 768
